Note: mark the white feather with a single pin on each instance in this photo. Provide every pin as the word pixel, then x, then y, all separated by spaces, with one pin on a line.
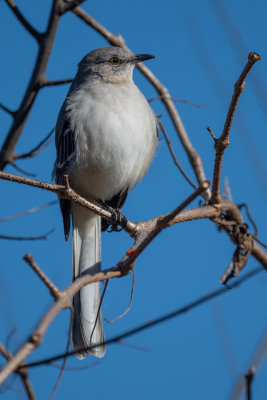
pixel 87 326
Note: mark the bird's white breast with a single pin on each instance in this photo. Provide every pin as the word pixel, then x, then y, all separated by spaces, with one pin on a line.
pixel 115 135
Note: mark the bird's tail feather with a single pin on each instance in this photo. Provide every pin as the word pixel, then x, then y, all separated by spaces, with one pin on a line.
pixel 86 248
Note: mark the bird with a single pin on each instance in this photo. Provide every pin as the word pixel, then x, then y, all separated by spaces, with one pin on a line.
pixel 106 138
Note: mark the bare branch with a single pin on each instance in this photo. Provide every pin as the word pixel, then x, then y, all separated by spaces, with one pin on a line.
pixel 249 376
pixel 45 82
pixel 37 149
pixel 79 368
pixel 10 112
pixel 30 211
pixel 202 300
pixel 7 152
pixel 143 228
pixel 124 267
pixel 223 141
pixel 134 346
pixel 211 133
pixel 69 5
pixel 14 165
pixel 129 306
pixel 66 193
pixel 178 101
pixel 22 238
pixel 260 242
pixel 244 205
pixel 12 5
pixel 55 292
pixel 117 40
pixel 176 162
pixel 62 367
pixel 22 372
pixel 254 364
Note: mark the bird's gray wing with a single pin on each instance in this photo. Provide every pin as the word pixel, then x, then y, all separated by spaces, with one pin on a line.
pixel 65 148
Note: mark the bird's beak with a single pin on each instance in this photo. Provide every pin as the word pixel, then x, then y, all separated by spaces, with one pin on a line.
pixel 143 57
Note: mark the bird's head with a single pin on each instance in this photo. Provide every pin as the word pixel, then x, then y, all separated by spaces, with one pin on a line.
pixel 112 64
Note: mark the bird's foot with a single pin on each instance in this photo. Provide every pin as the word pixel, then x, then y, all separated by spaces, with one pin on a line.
pixel 117 219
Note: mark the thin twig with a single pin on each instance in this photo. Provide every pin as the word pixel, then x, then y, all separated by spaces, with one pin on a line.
pixel 45 43
pixel 134 346
pixel 179 101
pixel 153 322
pixel 99 308
pixel 22 238
pixel 80 368
pixel 211 133
pixel 12 5
pixel 37 149
pixel 249 376
pixel 55 292
pixel 227 274
pixel 22 170
pixel 255 363
pixel 63 366
pixel 129 306
pixel 7 110
pixel 240 206
pixel 124 267
pixel 260 242
pixel 30 211
pixel 46 82
pixel 176 162
pixel 221 143
pixel 21 372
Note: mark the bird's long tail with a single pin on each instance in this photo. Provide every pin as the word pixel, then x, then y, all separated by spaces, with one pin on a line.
pixel 86 248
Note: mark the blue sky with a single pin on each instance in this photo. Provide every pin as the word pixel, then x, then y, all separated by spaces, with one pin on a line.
pixel 201 353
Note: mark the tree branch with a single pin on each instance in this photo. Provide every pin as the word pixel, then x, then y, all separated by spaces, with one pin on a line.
pixel 37 149
pixel 32 31
pixel 45 42
pixel 221 143
pixel 7 110
pixel 141 229
pixel 45 82
pixel 38 334
pixel 23 238
pixel 30 211
pixel 55 292
pixel 176 162
pixel 22 372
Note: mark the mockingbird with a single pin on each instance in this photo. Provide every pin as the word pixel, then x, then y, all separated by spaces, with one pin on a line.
pixel 106 136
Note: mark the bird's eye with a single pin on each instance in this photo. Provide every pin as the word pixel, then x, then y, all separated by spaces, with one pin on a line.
pixel 114 61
